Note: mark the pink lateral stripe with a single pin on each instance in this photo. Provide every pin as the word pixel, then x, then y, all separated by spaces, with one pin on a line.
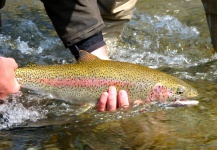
pixel 83 82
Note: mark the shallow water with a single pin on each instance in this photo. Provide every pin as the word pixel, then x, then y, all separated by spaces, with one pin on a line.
pixel 171 36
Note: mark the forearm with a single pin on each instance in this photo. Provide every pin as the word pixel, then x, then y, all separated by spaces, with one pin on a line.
pixel 74 21
pixel 79 23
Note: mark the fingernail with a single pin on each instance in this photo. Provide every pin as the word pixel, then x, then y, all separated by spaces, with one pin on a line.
pixel 112 89
pixel 125 106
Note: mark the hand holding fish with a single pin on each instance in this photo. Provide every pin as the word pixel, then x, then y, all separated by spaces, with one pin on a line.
pixel 111 100
pixel 8 82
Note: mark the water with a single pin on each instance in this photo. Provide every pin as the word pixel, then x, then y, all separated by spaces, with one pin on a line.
pixel 171 36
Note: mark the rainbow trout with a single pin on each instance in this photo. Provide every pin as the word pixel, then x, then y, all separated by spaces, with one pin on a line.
pixel 84 81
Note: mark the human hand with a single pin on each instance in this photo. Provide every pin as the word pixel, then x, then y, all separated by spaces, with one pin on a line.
pixel 8 82
pixel 111 100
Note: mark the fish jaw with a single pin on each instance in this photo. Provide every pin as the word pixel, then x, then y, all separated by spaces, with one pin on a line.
pixel 186 102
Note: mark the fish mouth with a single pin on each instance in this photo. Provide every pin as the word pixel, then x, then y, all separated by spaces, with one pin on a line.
pixel 185 102
pixel 178 103
pixel 188 102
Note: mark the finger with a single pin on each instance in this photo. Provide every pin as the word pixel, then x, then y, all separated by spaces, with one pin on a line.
pixel 123 100
pixel 112 99
pixel 101 105
pixel 10 61
pixel 13 62
pixel 16 87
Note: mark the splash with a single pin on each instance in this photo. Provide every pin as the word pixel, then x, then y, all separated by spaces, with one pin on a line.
pixel 25 42
pixel 15 114
pixel 158 41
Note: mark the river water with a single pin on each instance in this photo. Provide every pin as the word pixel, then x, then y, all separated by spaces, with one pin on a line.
pixel 171 36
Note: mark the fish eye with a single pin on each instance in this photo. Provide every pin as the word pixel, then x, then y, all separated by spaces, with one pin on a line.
pixel 180 91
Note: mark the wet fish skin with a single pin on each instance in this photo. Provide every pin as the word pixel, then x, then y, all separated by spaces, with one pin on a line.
pixel 84 81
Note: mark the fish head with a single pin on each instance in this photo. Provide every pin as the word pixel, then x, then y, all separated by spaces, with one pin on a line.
pixel 172 92
pixel 185 91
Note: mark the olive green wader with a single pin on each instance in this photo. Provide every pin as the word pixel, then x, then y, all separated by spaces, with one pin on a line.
pixel 115 13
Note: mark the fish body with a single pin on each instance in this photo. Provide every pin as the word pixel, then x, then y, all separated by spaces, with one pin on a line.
pixel 85 81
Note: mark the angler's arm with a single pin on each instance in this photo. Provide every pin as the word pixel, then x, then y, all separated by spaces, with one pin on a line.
pixel 8 82
pixel 78 23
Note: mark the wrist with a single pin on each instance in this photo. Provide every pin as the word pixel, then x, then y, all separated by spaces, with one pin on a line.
pixel 90 44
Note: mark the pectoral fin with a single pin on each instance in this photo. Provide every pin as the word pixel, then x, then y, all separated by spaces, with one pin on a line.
pixel 82 108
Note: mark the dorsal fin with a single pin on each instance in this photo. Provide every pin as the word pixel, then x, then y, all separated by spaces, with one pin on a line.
pixel 85 56
pixel 31 64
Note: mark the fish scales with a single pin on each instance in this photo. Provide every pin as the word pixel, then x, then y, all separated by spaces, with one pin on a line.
pixel 86 80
